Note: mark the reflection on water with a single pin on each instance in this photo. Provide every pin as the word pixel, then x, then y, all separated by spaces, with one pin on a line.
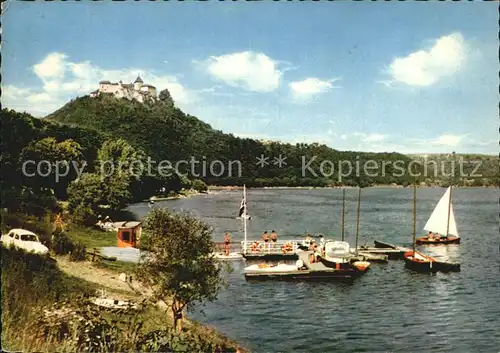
pixel 387 310
pixel 450 252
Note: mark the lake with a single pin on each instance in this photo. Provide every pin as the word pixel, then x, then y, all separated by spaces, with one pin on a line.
pixel 390 309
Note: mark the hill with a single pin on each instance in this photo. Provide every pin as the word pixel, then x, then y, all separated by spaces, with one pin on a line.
pixel 165 133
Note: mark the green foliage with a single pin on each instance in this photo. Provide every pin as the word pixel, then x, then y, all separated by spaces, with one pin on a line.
pixel 122 157
pixel 168 340
pixel 166 98
pixel 181 270
pixel 30 280
pixel 62 244
pixel 199 185
pixel 84 215
pixel 92 195
pixel 23 136
pixel 79 252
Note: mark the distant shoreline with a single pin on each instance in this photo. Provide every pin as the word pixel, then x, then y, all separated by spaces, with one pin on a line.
pixel 231 188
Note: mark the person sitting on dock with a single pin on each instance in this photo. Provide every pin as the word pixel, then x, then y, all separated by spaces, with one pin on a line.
pixel 313 257
pixel 227 243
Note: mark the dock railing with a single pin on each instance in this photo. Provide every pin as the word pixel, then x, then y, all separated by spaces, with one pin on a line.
pixel 256 247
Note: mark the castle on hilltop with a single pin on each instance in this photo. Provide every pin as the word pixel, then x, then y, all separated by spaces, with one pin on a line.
pixel 137 90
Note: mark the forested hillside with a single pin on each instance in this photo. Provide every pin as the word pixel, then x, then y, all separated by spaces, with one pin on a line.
pixel 166 133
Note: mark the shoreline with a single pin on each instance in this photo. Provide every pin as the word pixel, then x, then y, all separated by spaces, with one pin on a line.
pixel 134 290
pixel 176 197
pixel 381 186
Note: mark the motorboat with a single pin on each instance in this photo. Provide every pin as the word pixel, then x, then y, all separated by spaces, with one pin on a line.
pixel 338 255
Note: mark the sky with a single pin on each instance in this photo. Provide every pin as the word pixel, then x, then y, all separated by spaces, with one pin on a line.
pixel 409 77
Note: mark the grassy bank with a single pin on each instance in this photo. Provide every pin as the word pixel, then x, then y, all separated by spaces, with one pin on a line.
pixel 31 283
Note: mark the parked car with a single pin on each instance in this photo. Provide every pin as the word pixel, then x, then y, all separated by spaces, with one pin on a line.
pixel 24 239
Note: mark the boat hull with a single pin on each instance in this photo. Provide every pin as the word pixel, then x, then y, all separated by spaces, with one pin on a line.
pixel 361 266
pixel 383 245
pixel 305 275
pixel 444 241
pixel 428 264
pixel 231 256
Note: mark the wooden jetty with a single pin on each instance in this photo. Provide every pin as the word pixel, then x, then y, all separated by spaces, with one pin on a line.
pixel 308 272
pixel 392 251
pixel 370 256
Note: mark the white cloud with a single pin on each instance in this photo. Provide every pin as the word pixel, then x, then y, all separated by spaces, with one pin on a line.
pixel 311 86
pixel 63 79
pixel 426 67
pixel 39 97
pixel 370 137
pixel 52 67
pixel 447 140
pixel 251 71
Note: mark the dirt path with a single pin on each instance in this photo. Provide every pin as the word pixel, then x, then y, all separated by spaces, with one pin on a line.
pixel 105 279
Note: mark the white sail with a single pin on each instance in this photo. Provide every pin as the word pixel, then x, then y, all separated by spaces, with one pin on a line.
pixel 438 222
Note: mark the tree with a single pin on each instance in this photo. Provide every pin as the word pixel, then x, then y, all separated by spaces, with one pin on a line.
pixel 122 158
pixel 87 195
pixel 166 98
pixel 179 266
pixel 54 160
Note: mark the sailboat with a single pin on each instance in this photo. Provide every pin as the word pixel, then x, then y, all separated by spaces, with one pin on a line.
pixel 419 262
pixel 243 213
pixel 442 222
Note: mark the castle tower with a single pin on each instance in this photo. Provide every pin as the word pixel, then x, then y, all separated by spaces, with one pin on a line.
pixel 138 83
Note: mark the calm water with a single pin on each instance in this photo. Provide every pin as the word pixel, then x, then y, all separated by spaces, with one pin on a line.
pixel 390 308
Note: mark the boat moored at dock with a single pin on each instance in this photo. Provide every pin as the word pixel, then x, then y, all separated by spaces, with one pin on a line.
pixel 304 269
pixel 422 263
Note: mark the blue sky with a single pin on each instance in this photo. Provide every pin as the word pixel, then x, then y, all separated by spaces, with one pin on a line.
pixel 408 77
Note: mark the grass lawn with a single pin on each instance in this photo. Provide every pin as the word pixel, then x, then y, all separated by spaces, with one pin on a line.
pixel 91 238
pixel 118 266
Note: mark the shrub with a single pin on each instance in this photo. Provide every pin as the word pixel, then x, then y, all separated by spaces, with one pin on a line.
pixel 199 185
pixel 84 215
pixel 79 252
pixel 62 244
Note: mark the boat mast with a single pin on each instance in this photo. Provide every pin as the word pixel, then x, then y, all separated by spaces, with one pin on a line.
pixel 245 218
pixel 414 215
pixel 449 200
pixel 449 212
pixel 343 212
pixel 357 225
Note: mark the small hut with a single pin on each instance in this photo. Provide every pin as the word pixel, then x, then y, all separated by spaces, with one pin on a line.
pixel 129 234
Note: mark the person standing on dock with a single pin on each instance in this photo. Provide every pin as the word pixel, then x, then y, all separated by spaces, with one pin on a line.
pixel 227 243
pixel 274 238
pixel 265 237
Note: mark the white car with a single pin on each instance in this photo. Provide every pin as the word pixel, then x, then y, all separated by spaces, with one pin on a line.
pixel 24 239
